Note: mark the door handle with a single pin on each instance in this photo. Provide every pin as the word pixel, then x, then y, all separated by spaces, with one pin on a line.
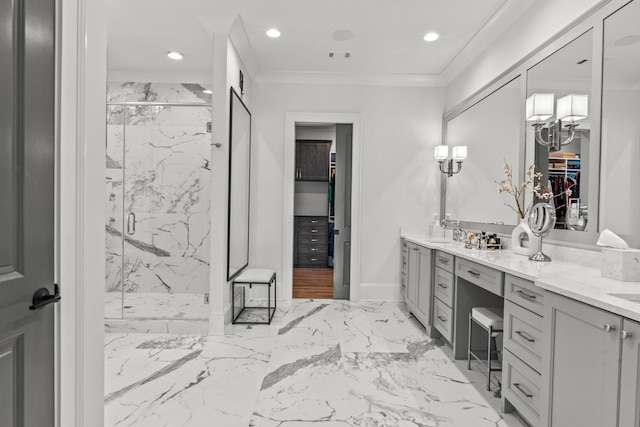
pixel 131 223
pixel 42 297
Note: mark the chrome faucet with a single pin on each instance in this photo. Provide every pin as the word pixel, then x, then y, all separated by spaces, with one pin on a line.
pixel 458 234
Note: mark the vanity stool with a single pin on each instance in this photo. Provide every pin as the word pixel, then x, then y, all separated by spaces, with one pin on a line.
pixel 491 320
pixel 251 277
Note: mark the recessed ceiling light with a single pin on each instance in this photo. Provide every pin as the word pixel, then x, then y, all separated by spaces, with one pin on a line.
pixel 207 91
pixel 273 33
pixel 627 41
pixel 175 55
pixel 342 35
pixel 431 37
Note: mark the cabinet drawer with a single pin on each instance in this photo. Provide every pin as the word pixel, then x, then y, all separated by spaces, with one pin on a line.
pixel 521 387
pixel 311 221
pixel 444 286
pixel 443 319
pixel 311 239
pixel 523 334
pixel 444 261
pixel 313 250
pixel 485 277
pixel 308 260
pixel 524 293
pixel 314 233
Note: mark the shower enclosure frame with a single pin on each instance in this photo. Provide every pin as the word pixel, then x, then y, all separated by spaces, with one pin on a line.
pixel 123 242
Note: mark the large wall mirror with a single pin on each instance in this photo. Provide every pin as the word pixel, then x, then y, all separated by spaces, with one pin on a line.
pixel 582 139
pixel 559 118
pixel 620 147
pixel 492 131
pixel 239 178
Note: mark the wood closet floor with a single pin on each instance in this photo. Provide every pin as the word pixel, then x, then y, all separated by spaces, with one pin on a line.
pixel 313 283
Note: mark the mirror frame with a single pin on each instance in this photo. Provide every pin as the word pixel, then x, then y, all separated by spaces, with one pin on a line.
pixel 593 19
pixel 234 123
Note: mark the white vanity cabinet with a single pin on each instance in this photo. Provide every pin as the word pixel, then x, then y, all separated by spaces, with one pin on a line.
pixel 443 292
pixel 630 375
pixel 592 369
pixel 523 348
pixel 418 290
pixel 404 260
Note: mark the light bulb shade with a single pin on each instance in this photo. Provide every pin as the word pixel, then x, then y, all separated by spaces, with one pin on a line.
pixel 573 107
pixel 459 153
pixel 539 107
pixel 441 152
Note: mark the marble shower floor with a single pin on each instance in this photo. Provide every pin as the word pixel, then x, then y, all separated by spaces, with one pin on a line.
pixel 321 362
pixel 155 306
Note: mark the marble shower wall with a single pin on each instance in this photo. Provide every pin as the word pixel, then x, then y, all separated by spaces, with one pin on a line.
pixel 158 189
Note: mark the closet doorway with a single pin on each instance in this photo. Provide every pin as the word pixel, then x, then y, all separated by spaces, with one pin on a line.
pixel 322 211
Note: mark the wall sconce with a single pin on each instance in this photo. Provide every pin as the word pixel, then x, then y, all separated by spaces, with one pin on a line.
pixel 570 108
pixel 459 153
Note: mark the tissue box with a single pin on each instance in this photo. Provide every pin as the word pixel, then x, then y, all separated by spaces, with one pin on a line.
pixel 621 264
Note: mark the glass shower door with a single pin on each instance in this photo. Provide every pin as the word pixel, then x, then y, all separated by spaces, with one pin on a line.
pixel 165 219
pixel 113 214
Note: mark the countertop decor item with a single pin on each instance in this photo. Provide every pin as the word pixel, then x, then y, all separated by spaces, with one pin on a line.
pixel 532 180
pixel 522 233
pixel 542 219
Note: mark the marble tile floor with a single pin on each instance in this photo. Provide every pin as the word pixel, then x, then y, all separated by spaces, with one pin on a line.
pixel 320 362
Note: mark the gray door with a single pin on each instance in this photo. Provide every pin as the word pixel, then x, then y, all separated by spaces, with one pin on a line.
pixel 342 197
pixel 27 88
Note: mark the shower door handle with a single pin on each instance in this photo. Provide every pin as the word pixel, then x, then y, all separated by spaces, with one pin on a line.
pixel 131 224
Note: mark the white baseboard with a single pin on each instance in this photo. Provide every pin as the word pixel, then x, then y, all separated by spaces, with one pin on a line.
pixel 380 292
pixel 219 321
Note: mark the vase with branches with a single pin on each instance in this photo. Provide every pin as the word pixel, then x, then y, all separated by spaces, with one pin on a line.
pixel 522 232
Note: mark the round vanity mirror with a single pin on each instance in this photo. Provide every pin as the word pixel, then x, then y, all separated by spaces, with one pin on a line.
pixel 542 219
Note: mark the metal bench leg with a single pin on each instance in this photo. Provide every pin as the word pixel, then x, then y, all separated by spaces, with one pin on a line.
pixel 489 359
pixel 469 344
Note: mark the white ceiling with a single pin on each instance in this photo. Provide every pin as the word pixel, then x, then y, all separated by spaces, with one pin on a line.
pixel 388 34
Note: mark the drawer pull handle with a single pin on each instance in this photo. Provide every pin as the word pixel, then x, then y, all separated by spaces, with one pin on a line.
pixel 526 295
pixel 314 259
pixel 442 286
pixel 314 222
pixel 444 260
pixel 609 328
pixel 625 335
pixel 313 249
pixel 314 230
pixel 314 240
pixel 473 273
pixel 526 336
pixel 442 319
pixel 523 390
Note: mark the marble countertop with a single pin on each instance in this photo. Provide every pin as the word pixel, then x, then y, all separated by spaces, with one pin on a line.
pixel 575 281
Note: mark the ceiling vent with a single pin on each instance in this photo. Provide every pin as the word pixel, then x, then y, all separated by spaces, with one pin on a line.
pixel 338 55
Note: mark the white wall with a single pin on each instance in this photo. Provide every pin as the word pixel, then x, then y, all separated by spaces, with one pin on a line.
pixel 400 185
pixel 226 66
pixel 540 23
